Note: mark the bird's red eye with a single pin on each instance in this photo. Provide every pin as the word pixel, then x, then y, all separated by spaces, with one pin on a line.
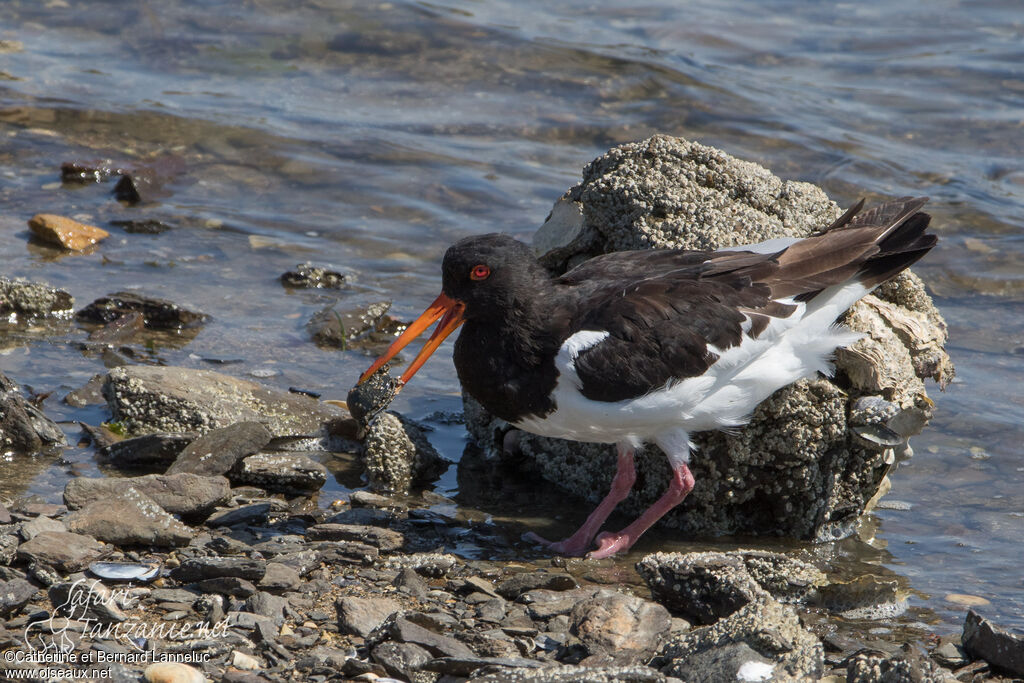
pixel 480 272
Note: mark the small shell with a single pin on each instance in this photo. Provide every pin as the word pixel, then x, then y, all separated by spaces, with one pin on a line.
pixel 126 571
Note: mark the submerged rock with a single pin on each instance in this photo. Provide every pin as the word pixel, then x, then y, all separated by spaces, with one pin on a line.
pixel 65 232
pixel 24 299
pixel 397 455
pixel 796 469
pixel 308 276
pixel 348 327
pixel 24 429
pixel 157 314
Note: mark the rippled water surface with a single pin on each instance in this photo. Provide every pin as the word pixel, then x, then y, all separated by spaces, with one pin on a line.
pixel 371 135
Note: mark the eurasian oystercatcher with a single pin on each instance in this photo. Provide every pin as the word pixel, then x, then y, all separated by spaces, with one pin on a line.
pixel 650 346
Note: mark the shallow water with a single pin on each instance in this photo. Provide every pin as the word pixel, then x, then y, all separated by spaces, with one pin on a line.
pixel 371 135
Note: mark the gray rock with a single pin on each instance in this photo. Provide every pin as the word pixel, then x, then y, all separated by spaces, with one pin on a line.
pixel 732 662
pixel 796 469
pixel 984 640
pixel 379 537
pixel 38 525
pixel 219 450
pixel 406 631
pixel 767 627
pixel 907 666
pixel 360 616
pixel 152 399
pixel 64 551
pixel 397 455
pixel 268 605
pixel 613 622
pixel 199 568
pixel 14 595
pixel 408 581
pixel 129 518
pixel 465 666
pixel 400 659
pixel 86 599
pixel 243 514
pixel 5 514
pixel 514 586
pixel 354 327
pixel 8 549
pixel 24 429
pixel 865 597
pixel 284 472
pixel 308 276
pixel 232 586
pixel 571 674
pixel 185 494
pixel 280 577
pixel 158 314
pixel 704 587
pixel 160 448
pixel 431 565
pixel 29 300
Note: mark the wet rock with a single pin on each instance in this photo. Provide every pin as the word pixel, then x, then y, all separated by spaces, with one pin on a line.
pixel 159 448
pixel 379 537
pixel 65 232
pixel 865 597
pixel 143 226
pixel 613 622
pixel 157 314
pixel 360 616
pixel 571 674
pixel 90 170
pixel 244 514
pixel 308 276
pixel 796 469
pixel 170 399
pixel 767 627
pixel 284 472
pixel 86 600
pixel 219 450
pixel 344 327
pixel 185 494
pixel 907 666
pixel 732 662
pixel 21 299
pixel 514 586
pixel 398 456
pixel 172 672
pixel 65 551
pixel 14 595
pixel 406 631
pixel 129 518
pixel 199 568
pixel 431 565
pixel 984 640
pixel 24 429
pixel 144 182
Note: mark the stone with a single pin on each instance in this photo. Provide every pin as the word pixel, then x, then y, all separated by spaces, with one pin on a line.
pixel 24 429
pixel 280 577
pixel 360 616
pixel 158 448
pixel 24 300
pixel 283 472
pixel 38 525
pixel 514 586
pixel 906 666
pixel 769 628
pixel 365 326
pixel 199 568
pixel 406 631
pixel 400 659
pixel 172 672
pixel 65 232
pixel 379 537
pixel 397 455
pixel 614 622
pixel 86 600
pixel 244 514
pixel 227 585
pixel 732 662
pixel 797 469
pixel 408 581
pixel 157 314
pixel 984 640
pixel 65 551
pixel 148 399
pixel 865 597
pixel 572 674
pixel 129 518
pixel 8 549
pixel 185 494
pixel 308 276
pixel 14 595
pixel 700 587
pixel 241 660
pixel 218 451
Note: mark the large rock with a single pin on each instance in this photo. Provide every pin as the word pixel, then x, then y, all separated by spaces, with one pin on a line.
pixel 397 455
pixel 185 494
pixel 219 450
pixel 129 518
pixel 797 469
pixel 615 623
pixel 147 399
pixel 21 299
pixel 24 429
pixel 64 551
pixel 984 640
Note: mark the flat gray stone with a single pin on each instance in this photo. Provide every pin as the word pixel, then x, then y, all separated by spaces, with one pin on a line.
pixel 14 595
pixel 219 450
pixel 159 448
pixel 185 494
pixel 360 616
pixel 284 472
pixel 129 518
pixel 65 551
pixel 379 537
pixel 86 600
pixel 514 586
pixel 199 568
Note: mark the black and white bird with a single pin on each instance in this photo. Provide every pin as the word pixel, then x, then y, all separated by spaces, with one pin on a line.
pixel 650 346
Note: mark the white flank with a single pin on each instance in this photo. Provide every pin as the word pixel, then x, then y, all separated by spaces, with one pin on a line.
pixel 789 349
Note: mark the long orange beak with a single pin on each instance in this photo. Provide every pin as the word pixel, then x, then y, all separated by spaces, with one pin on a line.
pixel 451 314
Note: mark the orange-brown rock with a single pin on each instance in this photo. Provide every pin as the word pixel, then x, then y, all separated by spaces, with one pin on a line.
pixel 65 232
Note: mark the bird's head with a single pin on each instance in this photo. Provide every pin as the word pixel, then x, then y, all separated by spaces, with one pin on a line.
pixel 482 279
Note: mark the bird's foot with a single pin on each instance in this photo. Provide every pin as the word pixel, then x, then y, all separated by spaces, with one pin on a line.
pixel 609 544
pixel 568 547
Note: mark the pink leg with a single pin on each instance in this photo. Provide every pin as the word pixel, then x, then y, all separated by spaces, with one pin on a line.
pixel 608 544
pixel 579 542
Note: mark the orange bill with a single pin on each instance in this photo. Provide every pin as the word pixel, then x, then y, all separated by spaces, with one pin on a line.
pixel 445 308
